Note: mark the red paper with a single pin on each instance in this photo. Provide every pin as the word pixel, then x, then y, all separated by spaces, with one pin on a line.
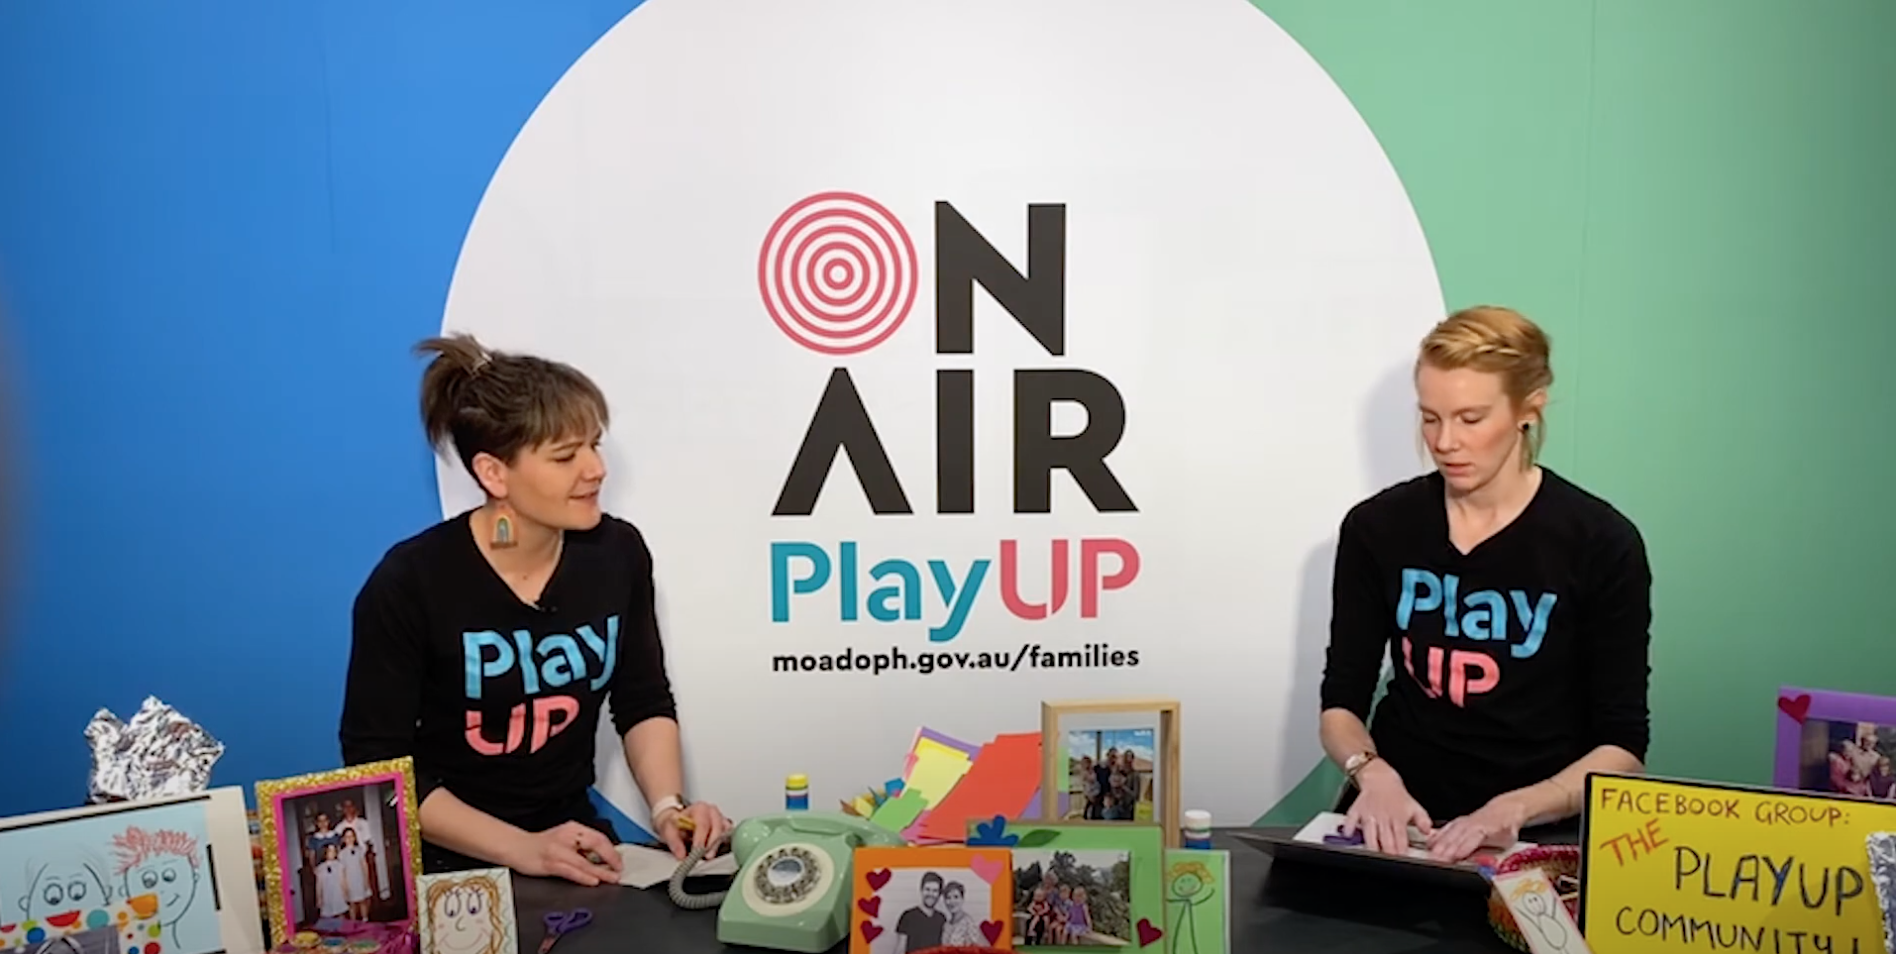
pixel 1002 781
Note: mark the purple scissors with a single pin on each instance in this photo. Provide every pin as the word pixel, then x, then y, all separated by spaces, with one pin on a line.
pixel 560 923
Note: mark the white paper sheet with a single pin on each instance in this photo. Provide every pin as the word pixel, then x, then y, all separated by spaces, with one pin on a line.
pixel 645 867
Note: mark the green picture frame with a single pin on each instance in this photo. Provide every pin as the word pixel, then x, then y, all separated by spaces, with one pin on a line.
pixel 1145 901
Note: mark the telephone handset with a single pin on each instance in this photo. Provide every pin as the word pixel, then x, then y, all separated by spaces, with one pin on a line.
pixel 792 889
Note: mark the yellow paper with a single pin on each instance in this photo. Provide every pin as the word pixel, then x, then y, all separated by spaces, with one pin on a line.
pixel 937 769
pixel 1691 866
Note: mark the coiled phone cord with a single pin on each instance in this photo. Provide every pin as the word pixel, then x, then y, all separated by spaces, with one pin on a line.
pixel 684 899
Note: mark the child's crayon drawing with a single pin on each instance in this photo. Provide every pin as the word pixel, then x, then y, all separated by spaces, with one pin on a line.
pixel 142 872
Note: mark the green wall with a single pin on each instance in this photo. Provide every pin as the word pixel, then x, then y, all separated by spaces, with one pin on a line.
pixel 1697 199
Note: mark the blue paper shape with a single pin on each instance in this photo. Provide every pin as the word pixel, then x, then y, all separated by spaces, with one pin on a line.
pixel 993 834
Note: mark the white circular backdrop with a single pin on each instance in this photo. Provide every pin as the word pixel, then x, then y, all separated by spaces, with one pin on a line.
pixel 1242 263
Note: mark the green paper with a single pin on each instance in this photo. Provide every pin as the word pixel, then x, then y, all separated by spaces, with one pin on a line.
pixel 1197 901
pixel 1146 901
pixel 900 812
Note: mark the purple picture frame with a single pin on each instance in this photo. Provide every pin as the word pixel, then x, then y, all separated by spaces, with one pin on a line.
pixel 1799 706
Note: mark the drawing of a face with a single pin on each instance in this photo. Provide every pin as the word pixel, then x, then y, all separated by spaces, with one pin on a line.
pixel 1535 903
pixel 171 878
pixel 59 892
pixel 162 865
pixel 465 917
pixel 1185 885
pixel 1189 881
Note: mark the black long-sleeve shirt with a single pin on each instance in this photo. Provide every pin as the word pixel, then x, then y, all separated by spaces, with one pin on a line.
pixel 1511 661
pixel 496 700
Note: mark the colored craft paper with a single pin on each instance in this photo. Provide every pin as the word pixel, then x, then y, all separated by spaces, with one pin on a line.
pixel 1197 901
pixel 936 771
pixel 1032 811
pixel 1672 865
pixel 968 749
pixel 1000 782
pixel 898 813
pixel 926 738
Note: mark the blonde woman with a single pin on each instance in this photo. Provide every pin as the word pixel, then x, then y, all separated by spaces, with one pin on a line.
pixel 1513 605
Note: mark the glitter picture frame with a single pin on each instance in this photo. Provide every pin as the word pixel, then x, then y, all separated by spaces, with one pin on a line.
pixel 374 806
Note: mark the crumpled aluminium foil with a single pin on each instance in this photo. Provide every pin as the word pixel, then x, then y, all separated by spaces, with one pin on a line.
pixel 1883 872
pixel 158 753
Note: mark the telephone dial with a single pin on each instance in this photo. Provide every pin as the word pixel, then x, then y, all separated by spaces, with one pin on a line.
pixel 792 888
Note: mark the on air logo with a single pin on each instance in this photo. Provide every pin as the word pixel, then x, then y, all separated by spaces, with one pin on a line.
pixel 837 272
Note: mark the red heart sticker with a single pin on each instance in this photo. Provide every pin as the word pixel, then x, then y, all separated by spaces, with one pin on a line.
pixel 992 931
pixel 1148 933
pixel 878 878
pixel 870 931
pixel 871 906
pixel 1797 708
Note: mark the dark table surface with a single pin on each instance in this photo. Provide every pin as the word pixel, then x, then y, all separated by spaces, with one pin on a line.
pixel 1288 906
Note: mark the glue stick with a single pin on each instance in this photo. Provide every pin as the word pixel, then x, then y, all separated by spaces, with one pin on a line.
pixel 796 793
pixel 1197 828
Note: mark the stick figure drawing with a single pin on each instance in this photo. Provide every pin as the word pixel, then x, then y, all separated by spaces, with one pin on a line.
pixel 1188 884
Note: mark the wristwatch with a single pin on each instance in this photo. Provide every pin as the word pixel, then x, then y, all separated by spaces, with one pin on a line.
pixel 1356 763
pixel 672 802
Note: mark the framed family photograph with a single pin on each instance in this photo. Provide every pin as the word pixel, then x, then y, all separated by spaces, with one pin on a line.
pixel 161 875
pixel 342 849
pixel 907 900
pixel 1111 762
pixel 1086 887
pixel 1837 743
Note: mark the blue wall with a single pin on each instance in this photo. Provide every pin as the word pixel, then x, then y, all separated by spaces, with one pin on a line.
pixel 222 225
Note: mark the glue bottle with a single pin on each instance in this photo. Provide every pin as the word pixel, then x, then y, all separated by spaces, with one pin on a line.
pixel 796 793
pixel 1197 832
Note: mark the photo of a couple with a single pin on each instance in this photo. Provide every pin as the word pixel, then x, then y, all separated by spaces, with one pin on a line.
pixel 923 908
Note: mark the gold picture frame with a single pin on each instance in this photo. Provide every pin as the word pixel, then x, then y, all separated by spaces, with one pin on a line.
pixel 386 817
pixel 1107 725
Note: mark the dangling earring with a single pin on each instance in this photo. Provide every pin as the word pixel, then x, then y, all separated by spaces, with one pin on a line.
pixel 503 531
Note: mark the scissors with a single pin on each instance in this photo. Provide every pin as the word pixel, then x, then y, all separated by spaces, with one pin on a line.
pixel 560 923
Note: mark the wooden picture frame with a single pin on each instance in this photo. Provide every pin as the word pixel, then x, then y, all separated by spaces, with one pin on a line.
pixel 1106 726
pixel 376 798
pixel 169 872
pixel 902 891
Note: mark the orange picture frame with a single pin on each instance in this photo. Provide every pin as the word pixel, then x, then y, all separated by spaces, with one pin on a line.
pixel 911 899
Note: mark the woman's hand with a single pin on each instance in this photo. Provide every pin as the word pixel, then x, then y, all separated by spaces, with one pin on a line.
pixel 1496 825
pixel 576 852
pixel 1384 810
pixel 695 827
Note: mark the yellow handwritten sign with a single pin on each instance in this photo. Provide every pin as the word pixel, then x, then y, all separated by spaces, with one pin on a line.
pixel 1691 866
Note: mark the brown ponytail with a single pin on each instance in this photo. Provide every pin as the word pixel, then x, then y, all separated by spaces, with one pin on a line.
pixel 492 402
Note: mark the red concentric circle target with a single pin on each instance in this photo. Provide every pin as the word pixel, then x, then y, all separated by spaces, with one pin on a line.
pixel 837 273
